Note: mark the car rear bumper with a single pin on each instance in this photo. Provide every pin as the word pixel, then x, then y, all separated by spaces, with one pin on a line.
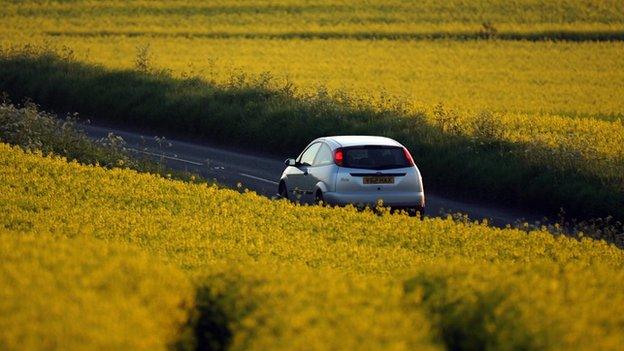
pixel 392 199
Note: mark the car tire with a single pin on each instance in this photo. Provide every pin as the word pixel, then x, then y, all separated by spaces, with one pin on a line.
pixel 282 191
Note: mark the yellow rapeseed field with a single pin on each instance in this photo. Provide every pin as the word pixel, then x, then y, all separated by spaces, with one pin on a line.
pixel 219 38
pixel 114 259
pixel 538 78
pixel 316 16
pixel 273 275
pixel 85 294
pixel 549 73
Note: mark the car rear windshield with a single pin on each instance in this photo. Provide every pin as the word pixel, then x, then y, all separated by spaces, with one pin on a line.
pixel 375 157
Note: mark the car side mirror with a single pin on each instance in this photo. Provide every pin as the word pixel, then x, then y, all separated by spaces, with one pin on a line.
pixel 290 162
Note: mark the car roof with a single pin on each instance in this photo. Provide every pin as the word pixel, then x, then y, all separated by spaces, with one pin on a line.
pixel 359 140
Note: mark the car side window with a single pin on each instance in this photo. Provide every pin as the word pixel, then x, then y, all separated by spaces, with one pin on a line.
pixel 307 158
pixel 324 156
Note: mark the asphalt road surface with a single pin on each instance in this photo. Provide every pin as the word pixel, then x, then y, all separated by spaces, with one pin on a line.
pixel 261 173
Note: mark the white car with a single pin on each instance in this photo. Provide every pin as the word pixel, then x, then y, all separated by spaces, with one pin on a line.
pixel 354 169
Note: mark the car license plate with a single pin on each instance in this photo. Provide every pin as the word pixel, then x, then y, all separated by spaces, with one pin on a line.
pixel 378 180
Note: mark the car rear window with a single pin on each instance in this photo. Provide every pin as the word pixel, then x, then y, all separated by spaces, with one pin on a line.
pixel 375 157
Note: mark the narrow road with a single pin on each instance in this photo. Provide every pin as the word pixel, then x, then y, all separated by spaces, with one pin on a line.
pixel 261 173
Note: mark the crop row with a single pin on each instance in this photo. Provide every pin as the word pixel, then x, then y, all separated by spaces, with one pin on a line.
pixel 528 19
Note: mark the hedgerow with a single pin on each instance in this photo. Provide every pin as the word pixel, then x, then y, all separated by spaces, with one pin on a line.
pixel 36 130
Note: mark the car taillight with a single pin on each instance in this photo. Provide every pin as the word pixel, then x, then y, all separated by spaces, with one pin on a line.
pixel 408 157
pixel 339 157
